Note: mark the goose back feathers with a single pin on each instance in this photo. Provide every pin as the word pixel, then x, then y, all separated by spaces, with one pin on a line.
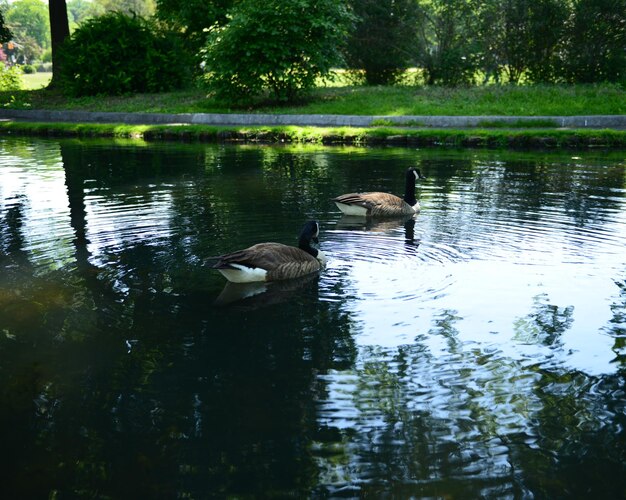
pixel 377 204
pixel 273 261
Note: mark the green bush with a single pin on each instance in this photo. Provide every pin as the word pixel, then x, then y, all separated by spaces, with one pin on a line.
pixel 119 54
pixel 28 69
pixel 275 46
pixel 10 78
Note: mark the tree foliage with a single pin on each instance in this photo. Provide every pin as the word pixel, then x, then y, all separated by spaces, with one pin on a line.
pixel 5 32
pixel 384 39
pixel 194 17
pixel 596 42
pixel 143 8
pixel 449 45
pixel 275 46
pixel 30 18
pixel 10 77
pixel 117 54
pixel 79 11
pixel 30 26
pixel 546 27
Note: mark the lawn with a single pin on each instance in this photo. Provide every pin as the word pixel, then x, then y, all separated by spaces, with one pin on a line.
pixel 35 81
pixel 499 100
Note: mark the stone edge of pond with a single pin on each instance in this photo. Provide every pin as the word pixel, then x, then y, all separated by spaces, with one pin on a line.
pixel 382 135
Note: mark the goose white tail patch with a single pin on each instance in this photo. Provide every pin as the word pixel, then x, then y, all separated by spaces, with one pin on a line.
pixel 351 209
pixel 243 274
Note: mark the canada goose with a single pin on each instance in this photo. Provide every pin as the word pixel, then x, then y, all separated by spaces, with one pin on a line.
pixel 378 204
pixel 273 261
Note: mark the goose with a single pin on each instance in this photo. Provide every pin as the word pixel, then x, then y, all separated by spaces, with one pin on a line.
pixel 273 261
pixel 377 204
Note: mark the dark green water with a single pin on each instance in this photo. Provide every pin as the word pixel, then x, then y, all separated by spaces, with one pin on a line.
pixel 476 351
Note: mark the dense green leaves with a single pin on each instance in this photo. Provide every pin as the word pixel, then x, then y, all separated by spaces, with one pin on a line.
pixel 383 44
pixel 596 43
pixel 193 17
pixel 117 54
pixel 275 46
pixel 450 46
pixel 524 40
pixel 30 18
pixel 10 78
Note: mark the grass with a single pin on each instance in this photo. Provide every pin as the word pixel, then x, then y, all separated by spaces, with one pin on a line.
pixel 35 81
pixel 529 102
pixel 477 138
pixel 489 100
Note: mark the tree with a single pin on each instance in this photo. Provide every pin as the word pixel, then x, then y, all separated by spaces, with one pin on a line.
pixel 596 42
pixel 193 17
pixel 193 20
pixel 30 17
pixel 547 23
pixel 383 42
pixel 503 38
pixel 59 31
pixel 276 46
pixel 5 33
pixel 449 48
pixel 78 11
pixel 143 8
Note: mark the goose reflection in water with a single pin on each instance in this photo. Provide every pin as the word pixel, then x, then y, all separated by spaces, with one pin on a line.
pixel 256 295
pixel 357 223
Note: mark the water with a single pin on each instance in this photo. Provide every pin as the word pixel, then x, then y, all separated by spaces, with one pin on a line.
pixel 476 350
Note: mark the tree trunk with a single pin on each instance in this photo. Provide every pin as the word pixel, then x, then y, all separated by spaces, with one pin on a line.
pixel 59 31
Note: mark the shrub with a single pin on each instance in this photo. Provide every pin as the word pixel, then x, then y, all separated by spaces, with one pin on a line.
pixel 28 69
pixel 118 54
pixel 10 78
pixel 276 46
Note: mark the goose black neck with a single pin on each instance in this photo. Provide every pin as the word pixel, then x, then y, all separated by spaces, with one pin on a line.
pixel 409 189
pixel 305 244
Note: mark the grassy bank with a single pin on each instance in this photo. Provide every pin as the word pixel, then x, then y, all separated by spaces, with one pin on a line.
pixel 379 136
pixel 491 100
pixel 500 100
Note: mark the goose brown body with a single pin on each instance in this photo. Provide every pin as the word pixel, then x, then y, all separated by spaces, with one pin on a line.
pixel 280 262
pixel 380 204
pixel 273 261
pixel 377 204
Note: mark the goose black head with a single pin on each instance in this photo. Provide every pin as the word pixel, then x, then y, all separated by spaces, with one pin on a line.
pixel 414 174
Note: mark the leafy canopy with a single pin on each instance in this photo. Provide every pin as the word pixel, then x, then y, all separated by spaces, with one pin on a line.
pixel 275 46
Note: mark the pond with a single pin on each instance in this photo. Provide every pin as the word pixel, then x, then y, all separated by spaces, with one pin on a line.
pixel 477 349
